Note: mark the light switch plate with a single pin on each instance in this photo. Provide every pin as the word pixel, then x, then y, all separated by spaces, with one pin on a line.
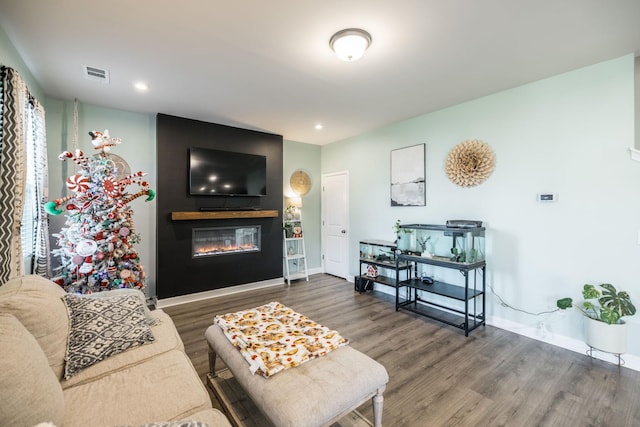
pixel 547 197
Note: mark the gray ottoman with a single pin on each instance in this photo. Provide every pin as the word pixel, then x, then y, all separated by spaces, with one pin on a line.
pixel 316 393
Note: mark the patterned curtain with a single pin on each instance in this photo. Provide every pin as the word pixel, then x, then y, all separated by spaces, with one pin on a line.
pixel 21 120
pixel 39 240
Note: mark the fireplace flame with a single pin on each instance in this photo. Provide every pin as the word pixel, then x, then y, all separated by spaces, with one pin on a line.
pixel 220 249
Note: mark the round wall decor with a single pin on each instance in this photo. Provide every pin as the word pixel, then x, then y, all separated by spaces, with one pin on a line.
pixel 121 166
pixel 300 182
pixel 470 163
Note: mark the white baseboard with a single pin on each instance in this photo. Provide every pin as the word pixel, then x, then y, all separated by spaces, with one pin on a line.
pixel 182 299
pixel 317 270
pixel 541 334
pixel 230 290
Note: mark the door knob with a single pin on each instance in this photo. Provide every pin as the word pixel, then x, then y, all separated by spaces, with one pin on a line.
pixel 343 231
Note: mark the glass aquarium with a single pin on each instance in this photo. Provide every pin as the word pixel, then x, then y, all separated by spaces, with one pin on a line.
pixel 461 241
pixel 378 251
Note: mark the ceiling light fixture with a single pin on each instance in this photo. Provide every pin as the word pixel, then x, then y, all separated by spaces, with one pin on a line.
pixel 350 44
pixel 141 86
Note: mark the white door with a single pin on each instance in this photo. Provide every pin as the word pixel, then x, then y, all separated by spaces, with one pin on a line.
pixel 335 223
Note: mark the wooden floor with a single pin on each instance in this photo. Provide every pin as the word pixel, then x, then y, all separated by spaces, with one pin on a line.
pixel 437 376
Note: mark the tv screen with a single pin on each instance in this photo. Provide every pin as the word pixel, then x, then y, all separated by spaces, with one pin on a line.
pixel 226 173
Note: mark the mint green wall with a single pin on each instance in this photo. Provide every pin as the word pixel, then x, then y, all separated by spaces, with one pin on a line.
pixel 570 135
pixel 138 148
pixel 298 155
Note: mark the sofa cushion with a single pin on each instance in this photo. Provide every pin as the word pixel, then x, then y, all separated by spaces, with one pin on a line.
pixel 30 392
pixel 36 303
pixel 166 339
pixel 101 327
pixel 127 291
pixel 165 387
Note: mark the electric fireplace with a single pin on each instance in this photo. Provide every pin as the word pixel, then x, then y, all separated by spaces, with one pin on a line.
pixel 216 241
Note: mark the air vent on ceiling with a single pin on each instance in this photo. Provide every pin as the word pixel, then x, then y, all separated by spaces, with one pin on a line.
pixel 96 74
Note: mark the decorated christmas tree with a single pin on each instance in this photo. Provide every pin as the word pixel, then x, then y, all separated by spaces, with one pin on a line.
pixel 96 246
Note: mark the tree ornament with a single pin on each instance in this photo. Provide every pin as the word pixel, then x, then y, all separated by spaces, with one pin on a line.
pixel 86 248
pixel 52 207
pixel 470 163
pixel 87 266
pixel 78 183
pixel 110 187
pixel 102 141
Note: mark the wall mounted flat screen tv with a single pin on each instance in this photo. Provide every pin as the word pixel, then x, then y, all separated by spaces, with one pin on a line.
pixel 226 173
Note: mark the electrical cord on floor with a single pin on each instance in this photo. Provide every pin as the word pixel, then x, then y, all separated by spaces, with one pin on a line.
pixel 504 304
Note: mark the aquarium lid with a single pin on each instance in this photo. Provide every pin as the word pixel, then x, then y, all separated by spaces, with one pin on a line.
pixel 463 223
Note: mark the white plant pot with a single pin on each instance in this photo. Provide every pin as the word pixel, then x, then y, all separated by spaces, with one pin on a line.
pixel 605 337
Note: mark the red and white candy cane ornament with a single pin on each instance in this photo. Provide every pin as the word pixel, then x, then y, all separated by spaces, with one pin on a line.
pixel 78 158
pixel 140 193
pixel 65 155
pixel 64 199
pixel 127 179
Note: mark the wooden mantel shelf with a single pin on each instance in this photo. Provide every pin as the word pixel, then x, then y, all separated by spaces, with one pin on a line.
pixel 188 216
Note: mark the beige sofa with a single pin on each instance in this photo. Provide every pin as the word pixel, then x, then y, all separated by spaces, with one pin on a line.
pixel 151 383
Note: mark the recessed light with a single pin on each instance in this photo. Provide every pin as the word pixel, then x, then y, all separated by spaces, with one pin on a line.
pixel 318 126
pixel 141 86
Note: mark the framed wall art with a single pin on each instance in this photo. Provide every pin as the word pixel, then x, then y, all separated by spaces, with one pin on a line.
pixel 408 176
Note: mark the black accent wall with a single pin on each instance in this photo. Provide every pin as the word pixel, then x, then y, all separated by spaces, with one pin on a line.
pixel 177 272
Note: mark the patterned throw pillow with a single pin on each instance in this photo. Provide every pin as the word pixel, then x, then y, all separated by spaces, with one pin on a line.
pixel 103 327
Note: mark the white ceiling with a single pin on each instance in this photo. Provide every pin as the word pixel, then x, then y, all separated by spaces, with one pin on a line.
pixel 267 65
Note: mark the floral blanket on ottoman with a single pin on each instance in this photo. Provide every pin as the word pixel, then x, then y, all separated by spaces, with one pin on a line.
pixel 273 337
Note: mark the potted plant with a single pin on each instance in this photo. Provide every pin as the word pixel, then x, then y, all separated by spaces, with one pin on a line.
pixel 402 244
pixel 288 230
pixel 603 307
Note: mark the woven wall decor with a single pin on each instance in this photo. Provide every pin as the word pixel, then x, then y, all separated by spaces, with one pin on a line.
pixel 470 163
pixel 300 182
